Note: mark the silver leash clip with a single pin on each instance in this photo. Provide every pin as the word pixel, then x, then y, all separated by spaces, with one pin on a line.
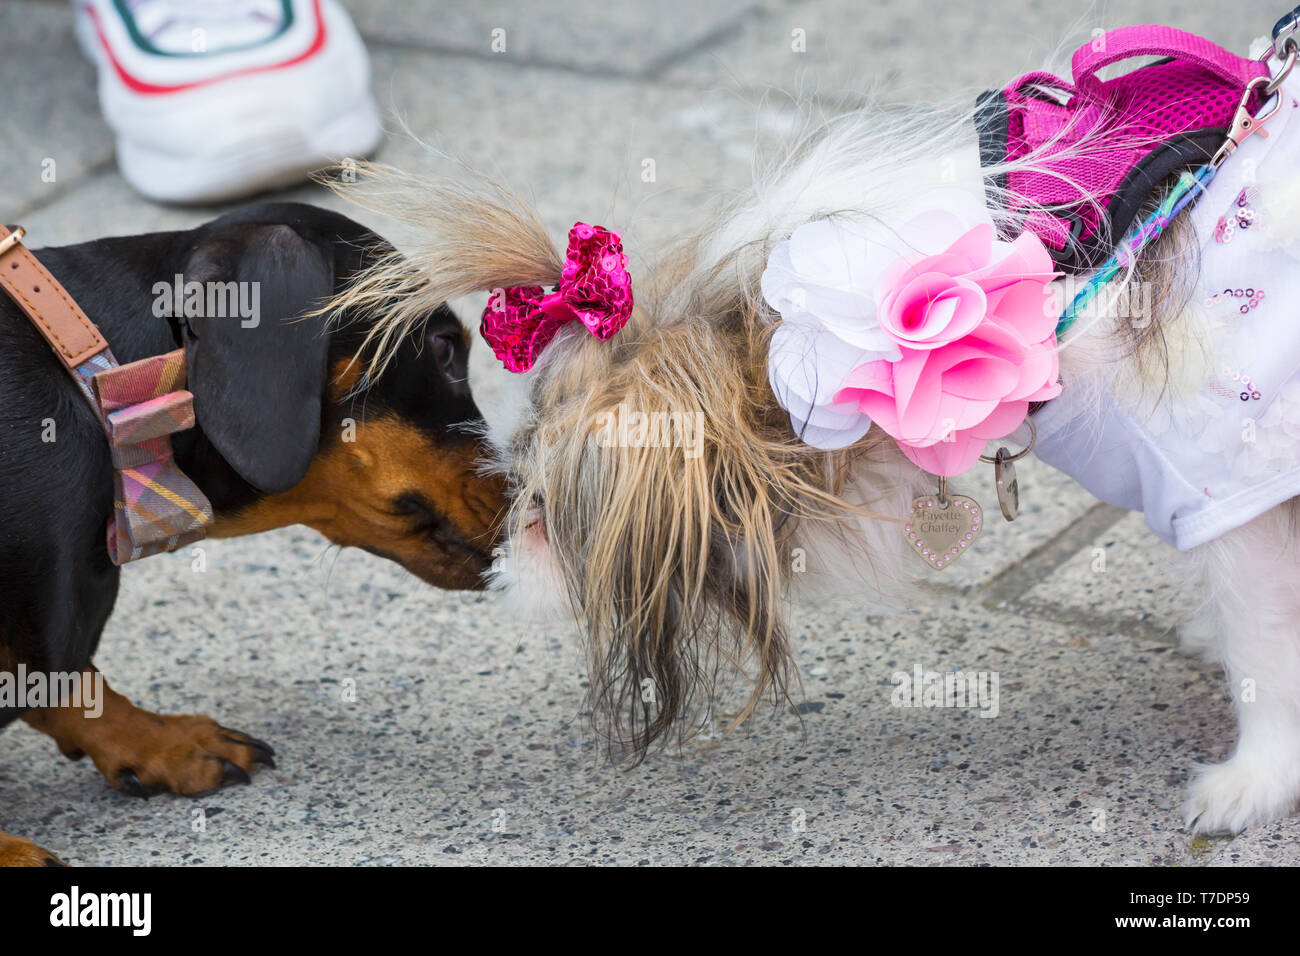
pixel 1244 123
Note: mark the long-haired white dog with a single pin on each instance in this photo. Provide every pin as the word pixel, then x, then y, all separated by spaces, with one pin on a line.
pixel 673 553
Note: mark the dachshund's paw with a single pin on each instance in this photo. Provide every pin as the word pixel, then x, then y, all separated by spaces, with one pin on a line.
pixel 15 851
pixel 142 753
pixel 179 753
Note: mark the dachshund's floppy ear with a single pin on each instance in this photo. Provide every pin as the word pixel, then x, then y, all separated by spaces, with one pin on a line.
pixel 258 371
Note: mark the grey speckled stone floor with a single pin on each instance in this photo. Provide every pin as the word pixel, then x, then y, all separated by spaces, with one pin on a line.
pixel 467 742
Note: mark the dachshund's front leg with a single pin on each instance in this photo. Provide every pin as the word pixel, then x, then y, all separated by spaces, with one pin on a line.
pixel 143 753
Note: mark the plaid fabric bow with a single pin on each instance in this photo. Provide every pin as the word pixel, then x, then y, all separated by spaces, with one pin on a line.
pixel 156 507
pixel 594 289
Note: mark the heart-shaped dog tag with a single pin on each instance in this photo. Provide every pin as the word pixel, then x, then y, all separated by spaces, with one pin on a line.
pixel 940 533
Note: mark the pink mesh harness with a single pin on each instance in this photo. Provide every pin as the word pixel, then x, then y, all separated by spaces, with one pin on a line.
pixel 1139 128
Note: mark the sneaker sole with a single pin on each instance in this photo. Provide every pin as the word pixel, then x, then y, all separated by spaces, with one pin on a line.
pixel 267 156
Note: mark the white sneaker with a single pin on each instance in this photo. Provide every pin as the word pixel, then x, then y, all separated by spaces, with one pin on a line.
pixel 216 99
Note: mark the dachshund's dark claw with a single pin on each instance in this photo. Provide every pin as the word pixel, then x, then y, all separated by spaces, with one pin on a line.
pixel 129 783
pixel 233 773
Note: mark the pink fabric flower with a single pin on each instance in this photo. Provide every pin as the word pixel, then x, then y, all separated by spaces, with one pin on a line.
pixel 977 330
pixel 932 327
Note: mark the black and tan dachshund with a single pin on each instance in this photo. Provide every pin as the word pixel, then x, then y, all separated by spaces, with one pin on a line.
pixel 289 431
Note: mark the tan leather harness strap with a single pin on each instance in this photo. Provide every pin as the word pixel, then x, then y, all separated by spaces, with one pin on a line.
pixel 60 320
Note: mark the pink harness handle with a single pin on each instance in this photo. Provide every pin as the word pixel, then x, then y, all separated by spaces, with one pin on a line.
pixel 1151 40
pixel 1143 126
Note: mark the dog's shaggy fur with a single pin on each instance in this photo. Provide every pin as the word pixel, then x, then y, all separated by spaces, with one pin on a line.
pixel 677 568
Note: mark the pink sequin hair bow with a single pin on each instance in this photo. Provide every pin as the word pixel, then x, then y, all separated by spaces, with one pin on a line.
pixel 594 289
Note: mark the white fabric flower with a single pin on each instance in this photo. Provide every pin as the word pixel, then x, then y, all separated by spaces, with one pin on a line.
pixel 807 366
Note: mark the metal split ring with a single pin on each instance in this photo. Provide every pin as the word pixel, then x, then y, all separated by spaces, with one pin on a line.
pixel 1033 437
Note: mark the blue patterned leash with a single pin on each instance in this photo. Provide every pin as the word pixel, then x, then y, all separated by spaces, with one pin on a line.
pixel 1189 186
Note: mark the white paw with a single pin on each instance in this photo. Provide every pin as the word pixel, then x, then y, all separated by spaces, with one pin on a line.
pixel 1239 793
